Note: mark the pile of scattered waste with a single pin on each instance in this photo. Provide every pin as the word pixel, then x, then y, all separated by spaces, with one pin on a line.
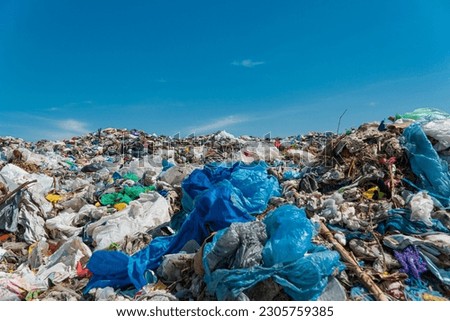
pixel 125 215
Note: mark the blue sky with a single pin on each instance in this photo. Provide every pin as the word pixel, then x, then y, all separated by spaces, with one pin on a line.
pixel 250 67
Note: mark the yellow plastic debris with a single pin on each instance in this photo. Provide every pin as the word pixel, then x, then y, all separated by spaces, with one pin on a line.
pixel 31 248
pixel 98 204
pixel 53 198
pixel 120 206
pixel 371 192
pixel 430 297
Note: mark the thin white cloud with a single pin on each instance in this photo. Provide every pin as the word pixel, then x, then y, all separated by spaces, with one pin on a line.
pixel 72 126
pixel 56 129
pixel 247 63
pixel 82 104
pixel 35 127
pixel 372 104
pixel 218 124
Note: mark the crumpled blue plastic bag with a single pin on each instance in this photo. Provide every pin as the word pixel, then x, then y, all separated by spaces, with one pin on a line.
pixel 289 234
pixel 303 277
pixel 219 198
pixel 431 170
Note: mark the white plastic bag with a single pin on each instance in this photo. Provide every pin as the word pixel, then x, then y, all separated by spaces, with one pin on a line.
pixel 150 210
pixel 421 207
pixel 439 130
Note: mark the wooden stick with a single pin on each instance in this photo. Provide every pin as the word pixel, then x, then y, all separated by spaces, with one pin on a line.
pixel 353 265
pixel 13 192
pixel 391 176
pixel 350 169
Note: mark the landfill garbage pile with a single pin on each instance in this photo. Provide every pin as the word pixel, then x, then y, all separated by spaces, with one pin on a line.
pixel 124 215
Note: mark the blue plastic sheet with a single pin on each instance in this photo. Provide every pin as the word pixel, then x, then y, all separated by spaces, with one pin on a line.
pixel 292 175
pixel 442 274
pixel 398 220
pixel 303 277
pixel 358 293
pixel 425 162
pixel 415 289
pixel 220 196
pixel 166 165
